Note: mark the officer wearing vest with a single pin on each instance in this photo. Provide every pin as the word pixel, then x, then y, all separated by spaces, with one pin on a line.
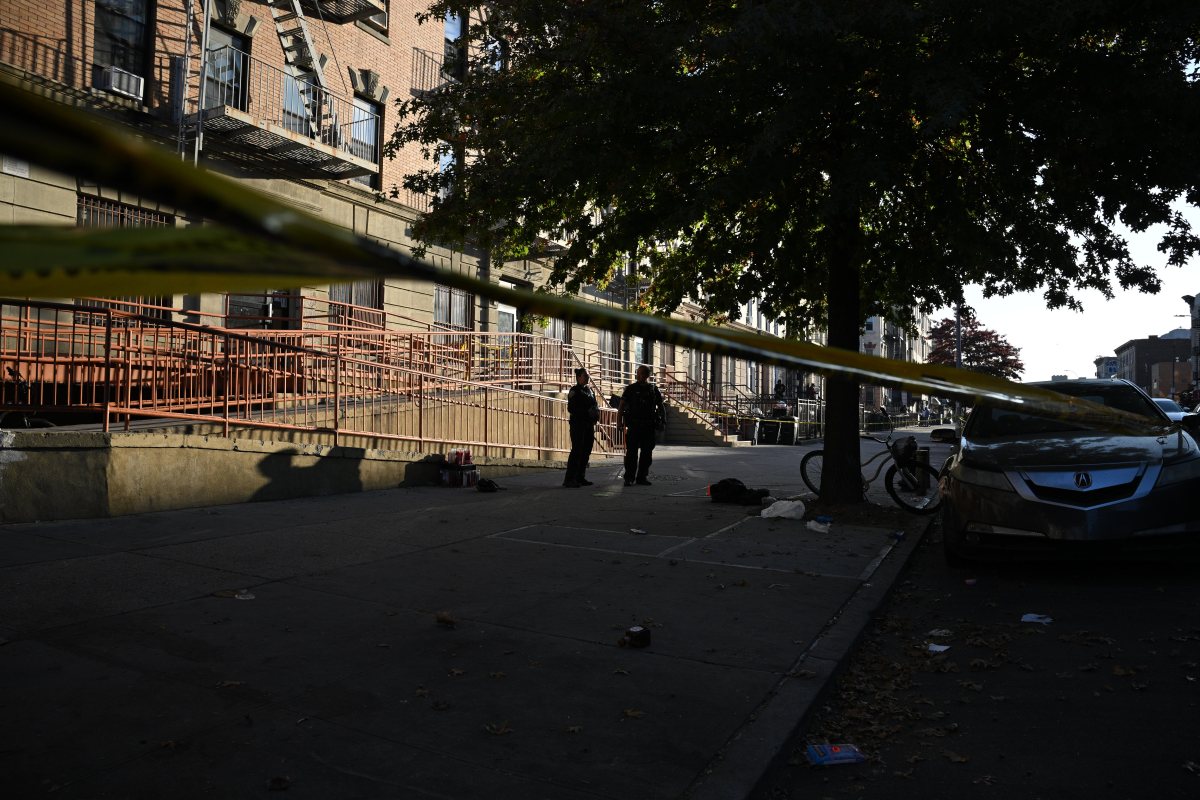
pixel 584 411
pixel 641 413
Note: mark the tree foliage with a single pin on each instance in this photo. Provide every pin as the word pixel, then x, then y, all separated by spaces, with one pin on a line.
pixel 836 158
pixel 983 350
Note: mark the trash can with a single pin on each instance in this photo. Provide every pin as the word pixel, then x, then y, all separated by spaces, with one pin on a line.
pixel 768 431
pixel 787 431
pixel 748 429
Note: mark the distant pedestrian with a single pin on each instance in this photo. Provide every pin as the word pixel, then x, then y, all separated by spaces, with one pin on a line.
pixel 641 413
pixel 810 393
pixel 584 412
pixel 780 391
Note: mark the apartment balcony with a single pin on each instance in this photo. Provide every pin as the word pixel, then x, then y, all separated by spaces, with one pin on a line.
pixel 259 114
pixel 340 11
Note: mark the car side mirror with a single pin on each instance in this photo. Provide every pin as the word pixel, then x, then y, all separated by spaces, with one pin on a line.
pixel 950 435
pixel 1191 424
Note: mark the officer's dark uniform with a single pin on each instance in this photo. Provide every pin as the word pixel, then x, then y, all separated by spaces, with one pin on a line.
pixel 584 411
pixel 642 409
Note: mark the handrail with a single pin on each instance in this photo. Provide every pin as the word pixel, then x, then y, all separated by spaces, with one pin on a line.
pixel 238 80
pixel 118 366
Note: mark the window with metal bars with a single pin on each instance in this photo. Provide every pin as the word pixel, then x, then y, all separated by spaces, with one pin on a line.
pixel 453 308
pixel 97 212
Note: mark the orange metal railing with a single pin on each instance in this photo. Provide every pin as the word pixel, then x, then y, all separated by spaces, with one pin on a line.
pixel 407 389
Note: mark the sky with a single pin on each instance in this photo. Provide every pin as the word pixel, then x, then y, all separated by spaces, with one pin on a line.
pixel 1065 342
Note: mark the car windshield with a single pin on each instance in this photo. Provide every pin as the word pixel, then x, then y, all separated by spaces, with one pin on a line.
pixel 988 422
pixel 1167 405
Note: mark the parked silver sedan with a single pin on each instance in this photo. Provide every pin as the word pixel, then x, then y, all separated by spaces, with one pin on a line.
pixel 1023 484
pixel 1169 407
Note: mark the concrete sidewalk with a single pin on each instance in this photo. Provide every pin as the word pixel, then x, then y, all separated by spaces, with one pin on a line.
pixel 433 642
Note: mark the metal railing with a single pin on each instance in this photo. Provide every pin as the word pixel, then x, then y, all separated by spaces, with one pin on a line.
pixel 119 367
pixel 237 80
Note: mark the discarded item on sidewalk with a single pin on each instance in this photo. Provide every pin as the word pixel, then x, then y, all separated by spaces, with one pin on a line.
pixel 732 490
pixel 459 457
pixel 827 754
pixel 824 519
pixel 637 636
pixel 769 500
pixel 819 527
pixel 244 595
pixel 459 475
pixel 486 485
pixel 937 648
pixel 637 531
pixel 785 509
pixel 445 619
pixel 1041 619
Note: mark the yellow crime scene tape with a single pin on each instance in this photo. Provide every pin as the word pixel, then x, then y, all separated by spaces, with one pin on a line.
pixel 262 241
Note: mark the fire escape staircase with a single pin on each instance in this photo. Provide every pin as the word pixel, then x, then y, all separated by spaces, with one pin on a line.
pixel 306 68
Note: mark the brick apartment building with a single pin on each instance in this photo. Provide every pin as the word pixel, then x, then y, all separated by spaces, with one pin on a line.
pixel 296 100
pixel 1137 357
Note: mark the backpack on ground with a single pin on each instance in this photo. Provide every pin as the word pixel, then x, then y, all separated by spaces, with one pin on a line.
pixel 733 491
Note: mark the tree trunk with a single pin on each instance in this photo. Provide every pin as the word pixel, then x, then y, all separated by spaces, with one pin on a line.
pixel 841 478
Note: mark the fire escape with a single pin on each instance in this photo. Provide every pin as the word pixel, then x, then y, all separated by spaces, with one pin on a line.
pixel 289 119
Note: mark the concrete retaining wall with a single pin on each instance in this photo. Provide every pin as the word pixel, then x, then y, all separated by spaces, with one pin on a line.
pixel 81 475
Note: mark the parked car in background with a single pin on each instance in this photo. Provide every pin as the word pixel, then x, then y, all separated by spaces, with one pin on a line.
pixel 1172 409
pixel 1024 484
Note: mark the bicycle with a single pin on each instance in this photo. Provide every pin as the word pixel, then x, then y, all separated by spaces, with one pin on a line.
pixel 913 485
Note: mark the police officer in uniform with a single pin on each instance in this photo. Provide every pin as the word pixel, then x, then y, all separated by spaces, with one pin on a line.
pixel 641 412
pixel 584 412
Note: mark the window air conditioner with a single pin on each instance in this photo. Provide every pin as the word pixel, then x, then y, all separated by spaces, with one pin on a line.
pixel 118 81
pixel 378 21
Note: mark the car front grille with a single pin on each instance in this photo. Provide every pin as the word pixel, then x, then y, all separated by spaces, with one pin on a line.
pixel 1083 486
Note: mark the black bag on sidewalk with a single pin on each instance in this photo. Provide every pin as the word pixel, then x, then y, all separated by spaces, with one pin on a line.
pixel 732 490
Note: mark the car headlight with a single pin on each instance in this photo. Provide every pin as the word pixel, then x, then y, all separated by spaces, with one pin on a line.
pixel 986 478
pixel 1179 472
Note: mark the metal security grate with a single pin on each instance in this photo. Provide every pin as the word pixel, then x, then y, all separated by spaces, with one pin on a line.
pixel 97 212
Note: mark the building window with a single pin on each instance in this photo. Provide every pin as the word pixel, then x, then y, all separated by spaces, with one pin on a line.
pixel 357 305
pixel 608 343
pixel 453 308
pixel 228 68
pixel 96 212
pixel 870 324
pixel 379 22
pixel 120 34
pixel 558 329
pixel 364 138
pixel 453 64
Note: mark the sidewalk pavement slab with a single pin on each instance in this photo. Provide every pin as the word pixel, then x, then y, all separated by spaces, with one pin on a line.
pixel 432 642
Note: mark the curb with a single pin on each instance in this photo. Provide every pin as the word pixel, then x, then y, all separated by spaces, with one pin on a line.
pixel 741 763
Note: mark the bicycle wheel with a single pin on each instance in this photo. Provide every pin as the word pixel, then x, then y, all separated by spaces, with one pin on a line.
pixel 810 470
pixel 914 488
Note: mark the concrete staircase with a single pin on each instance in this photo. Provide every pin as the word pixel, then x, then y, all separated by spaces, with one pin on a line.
pixel 683 428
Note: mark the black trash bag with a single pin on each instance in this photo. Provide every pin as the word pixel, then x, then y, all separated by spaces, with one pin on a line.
pixel 733 491
pixel 486 485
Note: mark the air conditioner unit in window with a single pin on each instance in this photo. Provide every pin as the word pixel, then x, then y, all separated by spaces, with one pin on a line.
pixel 118 81
pixel 378 21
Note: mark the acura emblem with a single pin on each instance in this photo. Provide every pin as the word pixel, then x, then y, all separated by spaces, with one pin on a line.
pixel 1083 480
